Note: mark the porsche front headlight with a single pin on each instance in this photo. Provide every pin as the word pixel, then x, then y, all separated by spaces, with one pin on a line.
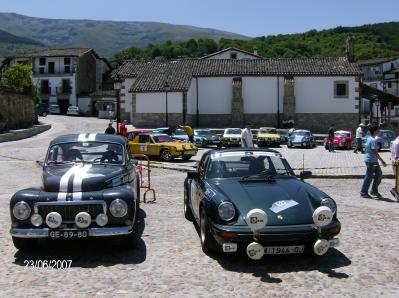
pixel 226 211
pixel 330 203
pixel 21 210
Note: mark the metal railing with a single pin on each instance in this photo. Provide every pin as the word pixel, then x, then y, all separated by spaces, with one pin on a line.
pixel 140 168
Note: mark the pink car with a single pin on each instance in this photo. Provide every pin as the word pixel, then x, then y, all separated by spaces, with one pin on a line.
pixel 343 139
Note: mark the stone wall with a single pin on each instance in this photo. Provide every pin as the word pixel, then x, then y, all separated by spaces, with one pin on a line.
pixel 16 111
pixel 319 123
pixel 154 120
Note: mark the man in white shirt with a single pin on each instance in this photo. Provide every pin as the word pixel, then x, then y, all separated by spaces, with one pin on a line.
pixel 359 136
pixel 247 137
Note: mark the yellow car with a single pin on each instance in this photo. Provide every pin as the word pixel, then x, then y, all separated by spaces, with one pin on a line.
pixel 268 136
pixel 162 146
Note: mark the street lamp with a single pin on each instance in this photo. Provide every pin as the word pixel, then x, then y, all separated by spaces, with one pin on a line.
pixel 117 87
pixel 166 87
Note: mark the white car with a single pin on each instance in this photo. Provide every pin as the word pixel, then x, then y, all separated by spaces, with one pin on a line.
pixel 54 109
pixel 232 137
pixel 73 111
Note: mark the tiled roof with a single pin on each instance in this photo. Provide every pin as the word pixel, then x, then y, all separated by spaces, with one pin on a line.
pixel 231 49
pixel 152 75
pixel 375 61
pixel 73 52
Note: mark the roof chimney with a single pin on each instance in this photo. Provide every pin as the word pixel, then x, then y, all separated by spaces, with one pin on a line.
pixel 350 48
pixel 255 51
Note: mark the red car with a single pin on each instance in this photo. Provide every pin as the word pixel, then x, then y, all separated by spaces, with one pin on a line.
pixel 343 139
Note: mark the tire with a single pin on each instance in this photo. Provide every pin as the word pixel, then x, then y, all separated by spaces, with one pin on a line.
pixel 130 241
pixel 166 155
pixel 326 147
pixel 208 243
pixel 44 114
pixel 219 146
pixel 186 158
pixel 24 244
pixel 188 214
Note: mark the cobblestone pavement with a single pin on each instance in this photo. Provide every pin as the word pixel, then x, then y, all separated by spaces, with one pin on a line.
pixel 169 261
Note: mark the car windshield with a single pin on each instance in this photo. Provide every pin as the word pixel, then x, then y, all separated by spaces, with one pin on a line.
pixel 91 152
pixel 180 132
pixel 268 130
pixel 247 163
pixel 203 133
pixel 342 134
pixel 233 131
pixel 162 139
pixel 387 135
pixel 301 133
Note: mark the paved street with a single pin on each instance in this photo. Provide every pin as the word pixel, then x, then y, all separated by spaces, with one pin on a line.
pixel 168 260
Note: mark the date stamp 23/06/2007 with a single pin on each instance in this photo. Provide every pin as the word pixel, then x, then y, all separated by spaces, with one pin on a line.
pixel 47 264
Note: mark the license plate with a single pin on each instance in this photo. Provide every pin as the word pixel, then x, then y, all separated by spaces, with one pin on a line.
pixel 61 234
pixel 284 250
pixel 189 152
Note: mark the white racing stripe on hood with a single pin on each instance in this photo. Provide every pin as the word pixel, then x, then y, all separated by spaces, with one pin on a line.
pixel 82 137
pixel 77 182
pixel 62 192
pixel 92 137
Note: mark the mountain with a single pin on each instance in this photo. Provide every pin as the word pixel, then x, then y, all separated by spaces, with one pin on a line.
pixel 11 44
pixel 106 37
pixel 371 41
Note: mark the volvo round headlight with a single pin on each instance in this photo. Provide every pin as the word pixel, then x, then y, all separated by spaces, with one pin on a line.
pixel 118 208
pixel 330 203
pixel 21 210
pixel 36 220
pixel 226 211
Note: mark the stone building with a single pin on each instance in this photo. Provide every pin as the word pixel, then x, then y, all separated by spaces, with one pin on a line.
pixel 314 92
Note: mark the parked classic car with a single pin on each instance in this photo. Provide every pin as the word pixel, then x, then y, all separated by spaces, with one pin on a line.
pixel 73 111
pixel 343 139
pixel 251 199
pixel 54 109
pixel 231 137
pixel 301 138
pixel 268 136
pixel 208 138
pixel 384 139
pixel 180 135
pixel 162 146
pixel 90 189
pixel 42 109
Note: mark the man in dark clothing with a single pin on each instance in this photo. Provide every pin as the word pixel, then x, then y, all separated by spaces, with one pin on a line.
pixel 331 132
pixel 110 130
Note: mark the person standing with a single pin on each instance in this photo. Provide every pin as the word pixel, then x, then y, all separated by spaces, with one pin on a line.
pixel 110 130
pixel 331 132
pixel 373 170
pixel 247 137
pixel 189 131
pixel 123 129
pixel 359 136
pixel 395 153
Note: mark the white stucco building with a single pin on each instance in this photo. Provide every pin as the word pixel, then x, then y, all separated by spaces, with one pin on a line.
pixel 228 92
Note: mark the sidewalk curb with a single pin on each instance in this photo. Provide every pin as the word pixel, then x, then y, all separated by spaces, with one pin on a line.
pixel 315 176
pixel 19 134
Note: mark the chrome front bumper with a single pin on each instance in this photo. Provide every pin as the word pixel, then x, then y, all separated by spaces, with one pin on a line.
pixel 93 232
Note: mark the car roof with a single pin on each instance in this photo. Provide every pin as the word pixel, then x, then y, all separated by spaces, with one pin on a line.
pixel 89 137
pixel 241 149
pixel 304 130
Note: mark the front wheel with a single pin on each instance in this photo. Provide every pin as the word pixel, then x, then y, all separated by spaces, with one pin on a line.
pixel 166 155
pixel 188 214
pixel 24 244
pixel 208 243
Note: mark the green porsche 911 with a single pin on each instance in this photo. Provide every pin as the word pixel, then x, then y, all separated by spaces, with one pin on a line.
pixel 250 199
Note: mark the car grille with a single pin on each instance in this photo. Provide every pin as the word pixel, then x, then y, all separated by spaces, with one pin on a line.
pixel 68 212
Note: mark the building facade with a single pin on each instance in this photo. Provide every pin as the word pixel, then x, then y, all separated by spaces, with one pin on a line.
pixel 65 76
pixel 229 92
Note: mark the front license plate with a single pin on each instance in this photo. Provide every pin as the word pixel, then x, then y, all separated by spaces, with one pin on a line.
pixel 60 234
pixel 284 250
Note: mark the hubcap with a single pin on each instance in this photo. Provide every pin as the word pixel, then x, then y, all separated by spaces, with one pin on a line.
pixel 166 154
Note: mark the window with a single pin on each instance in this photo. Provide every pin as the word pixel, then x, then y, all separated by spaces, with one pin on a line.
pixel 44 87
pixel 341 89
pixel 41 69
pixel 67 69
pixel 233 56
pixel 389 85
pixel 67 61
pixel 42 61
pixel 51 67
pixel 144 139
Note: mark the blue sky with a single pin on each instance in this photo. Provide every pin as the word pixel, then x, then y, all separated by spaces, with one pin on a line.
pixel 248 17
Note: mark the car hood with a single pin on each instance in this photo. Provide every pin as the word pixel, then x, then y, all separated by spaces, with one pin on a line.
pixel 275 198
pixel 268 135
pixel 81 178
pixel 231 136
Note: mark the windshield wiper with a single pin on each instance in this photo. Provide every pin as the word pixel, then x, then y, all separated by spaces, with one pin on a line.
pixel 266 174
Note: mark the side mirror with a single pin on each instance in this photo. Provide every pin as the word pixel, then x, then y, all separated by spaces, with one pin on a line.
pixel 193 175
pixel 305 175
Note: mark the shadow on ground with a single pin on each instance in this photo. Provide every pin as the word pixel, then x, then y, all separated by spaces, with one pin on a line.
pixel 89 253
pixel 326 264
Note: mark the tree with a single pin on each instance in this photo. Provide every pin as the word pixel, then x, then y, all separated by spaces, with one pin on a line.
pixel 18 77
